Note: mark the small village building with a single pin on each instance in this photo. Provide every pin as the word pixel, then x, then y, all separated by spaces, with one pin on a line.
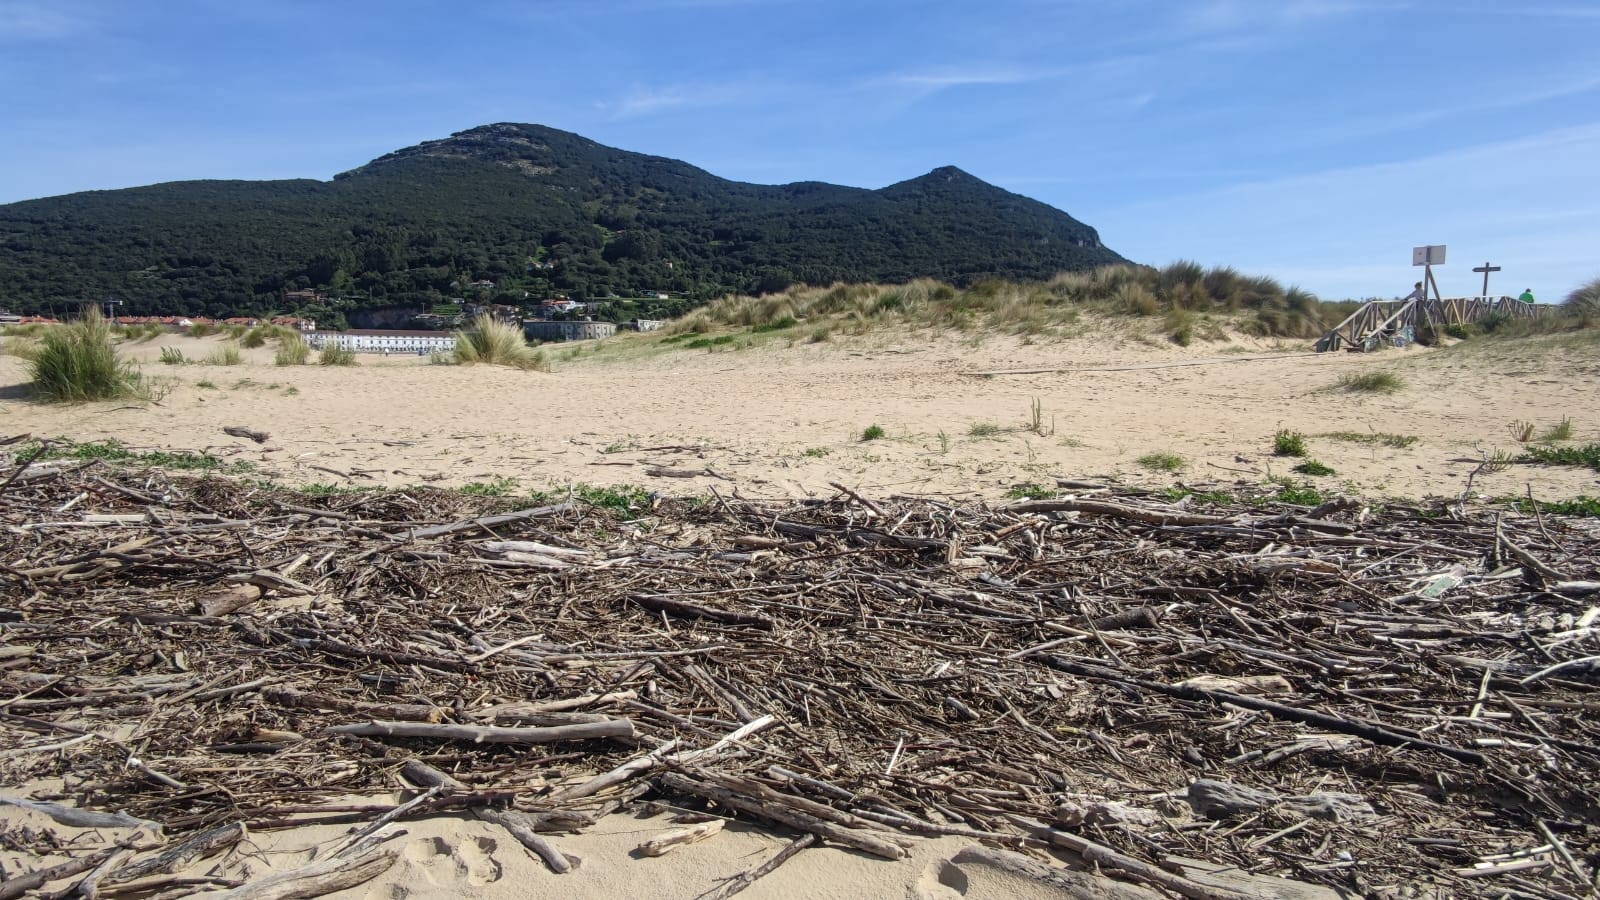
pixel 542 330
pixel 362 340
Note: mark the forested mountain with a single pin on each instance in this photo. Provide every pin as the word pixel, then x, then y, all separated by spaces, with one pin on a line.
pixel 534 210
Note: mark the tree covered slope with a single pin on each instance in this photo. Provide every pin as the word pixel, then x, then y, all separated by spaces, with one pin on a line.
pixel 533 209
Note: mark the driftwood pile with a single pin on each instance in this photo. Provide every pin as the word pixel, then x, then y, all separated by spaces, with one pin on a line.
pixel 1386 702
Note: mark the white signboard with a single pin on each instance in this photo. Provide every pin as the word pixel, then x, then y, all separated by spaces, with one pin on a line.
pixel 1431 255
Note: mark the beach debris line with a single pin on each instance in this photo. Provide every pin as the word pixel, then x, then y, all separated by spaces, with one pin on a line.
pixel 1094 686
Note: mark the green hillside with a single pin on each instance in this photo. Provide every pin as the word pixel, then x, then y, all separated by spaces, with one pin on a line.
pixel 536 211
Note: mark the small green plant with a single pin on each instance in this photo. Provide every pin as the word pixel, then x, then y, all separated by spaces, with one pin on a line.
pixel 1561 431
pixel 114 451
pixel 1288 443
pixel 985 429
pixel 944 442
pixel 494 487
pixel 815 452
pixel 623 498
pixel 1582 505
pixel 172 356
pixel 292 351
pixel 820 334
pixel 1215 498
pixel 1369 383
pixel 206 384
pixel 1312 467
pixel 1587 455
pixel 336 356
pixel 255 337
pixel 1297 493
pixel 290 391
pixel 77 362
pixel 1522 432
pixel 1029 491
pixel 1162 462
pixel 873 433
pixel 226 355
pixel 201 329
pixel 1397 441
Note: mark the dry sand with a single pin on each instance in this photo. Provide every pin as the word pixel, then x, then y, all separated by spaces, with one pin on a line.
pixel 785 418
pixel 448 856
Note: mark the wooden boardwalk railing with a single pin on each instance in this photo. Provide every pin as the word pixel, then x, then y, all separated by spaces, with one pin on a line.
pixel 1396 321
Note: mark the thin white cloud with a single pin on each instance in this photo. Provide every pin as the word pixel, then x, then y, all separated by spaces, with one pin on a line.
pixel 645 101
pixel 28 20
pixel 957 77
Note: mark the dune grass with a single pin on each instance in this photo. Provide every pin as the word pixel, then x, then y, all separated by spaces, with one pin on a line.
pixel 336 356
pixel 226 355
pixel 1369 383
pixel 77 363
pixel 1162 462
pixel 292 350
pixel 496 343
pixel 1186 294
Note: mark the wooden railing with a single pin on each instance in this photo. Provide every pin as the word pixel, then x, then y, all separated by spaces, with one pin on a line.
pixel 1396 321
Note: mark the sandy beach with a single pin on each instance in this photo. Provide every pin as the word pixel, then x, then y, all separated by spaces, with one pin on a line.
pixel 779 420
pixel 785 418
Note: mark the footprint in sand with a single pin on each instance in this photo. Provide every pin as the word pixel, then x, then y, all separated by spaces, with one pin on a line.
pixel 442 862
pixel 940 880
pixel 477 855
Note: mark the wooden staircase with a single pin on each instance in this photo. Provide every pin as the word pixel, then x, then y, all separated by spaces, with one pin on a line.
pixel 1395 322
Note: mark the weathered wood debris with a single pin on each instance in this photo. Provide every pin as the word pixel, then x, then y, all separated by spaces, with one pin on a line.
pixel 1385 701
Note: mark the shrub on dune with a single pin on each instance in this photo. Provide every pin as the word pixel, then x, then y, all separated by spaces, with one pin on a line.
pixel 76 363
pixel 496 343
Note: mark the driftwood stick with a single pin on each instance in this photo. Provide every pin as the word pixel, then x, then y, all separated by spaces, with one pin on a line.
pixel 354 841
pixel 89 887
pixel 80 818
pixel 241 431
pixel 696 611
pixel 863 841
pixel 408 712
pixel 1116 511
pixel 616 776
pixel 17 885
pixel 749 876
pixel 665 842
pixel 171 860
pixel 326 876
pixel 1106 857
pixel 876 509
pixel 418 772
pixel 1547 671
pixel 487 522
pixel 558 862
pixel 1378 734
pixel 490 734
pixel 1069 884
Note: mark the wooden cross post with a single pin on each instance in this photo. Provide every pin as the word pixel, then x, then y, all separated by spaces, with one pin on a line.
pixel 1486 269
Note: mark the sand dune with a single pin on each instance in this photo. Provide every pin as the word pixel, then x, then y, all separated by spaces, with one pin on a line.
pixel 786 418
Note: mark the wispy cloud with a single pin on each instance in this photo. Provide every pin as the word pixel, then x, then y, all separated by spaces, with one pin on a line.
pixel 28 20
pixel 957 77
pixel 1234 15
pixel 645 101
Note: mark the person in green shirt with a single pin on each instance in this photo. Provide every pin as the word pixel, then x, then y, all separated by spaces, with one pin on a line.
pixel 1527 295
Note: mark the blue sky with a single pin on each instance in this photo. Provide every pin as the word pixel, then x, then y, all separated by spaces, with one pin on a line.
pixel 1313 140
